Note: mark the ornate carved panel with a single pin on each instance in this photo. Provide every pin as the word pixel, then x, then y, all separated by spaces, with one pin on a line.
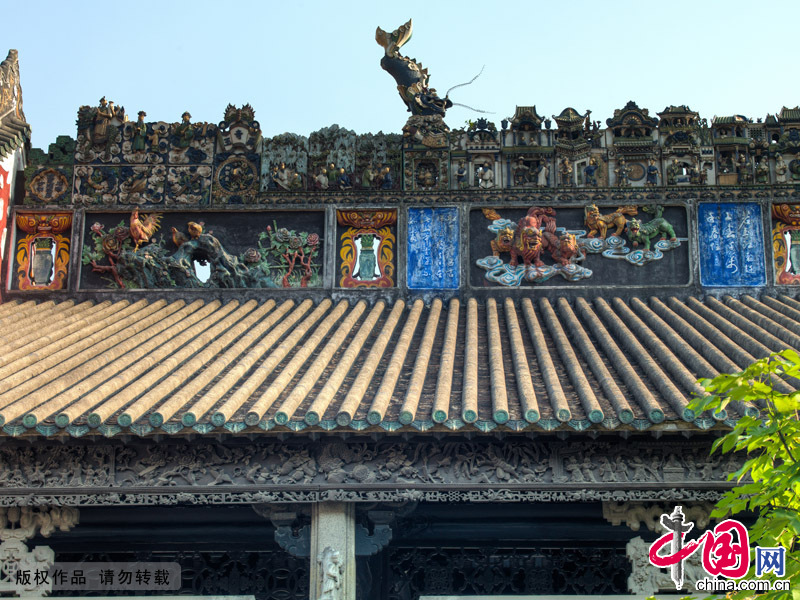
pixel 585 245
pixel 221 571
pixel 786 243
pixel 452 471
pixel 468 571
pixel 366 247
pixel 42 255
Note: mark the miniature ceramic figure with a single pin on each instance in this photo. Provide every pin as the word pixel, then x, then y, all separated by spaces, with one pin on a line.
pixel 762 171
pixel 565 170
pixel 652 173
pixel 461 176
pixel 623 174
pixel 140 133
pixel 781 169
pixel 185 130
pixel 590 172
pixel 486 177
pixel 543 175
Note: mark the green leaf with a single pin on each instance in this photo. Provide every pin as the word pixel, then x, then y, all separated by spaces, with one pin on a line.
pixel 785 404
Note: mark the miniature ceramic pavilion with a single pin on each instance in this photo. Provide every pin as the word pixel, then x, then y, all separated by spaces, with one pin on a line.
pixel 457 360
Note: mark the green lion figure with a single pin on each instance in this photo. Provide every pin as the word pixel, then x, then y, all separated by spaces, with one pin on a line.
pixel 643 233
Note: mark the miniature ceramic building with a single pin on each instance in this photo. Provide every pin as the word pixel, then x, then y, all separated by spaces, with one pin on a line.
pixel 437 362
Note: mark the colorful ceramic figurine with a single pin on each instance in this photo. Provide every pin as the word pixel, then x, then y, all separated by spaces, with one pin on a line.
pixel 140 133
pixel 762 171
pixel 411 77
pixel 600 224
pixel 780 169
pixel 652 173
pixel 184 130
pixel 565 170
pixel 590 172
pixel 643 233
pixel 623 174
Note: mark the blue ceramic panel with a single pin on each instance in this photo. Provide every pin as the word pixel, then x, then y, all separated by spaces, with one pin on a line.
pixel 731 244
pixel 433 248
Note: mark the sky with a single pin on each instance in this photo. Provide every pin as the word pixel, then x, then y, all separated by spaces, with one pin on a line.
pixel 304 65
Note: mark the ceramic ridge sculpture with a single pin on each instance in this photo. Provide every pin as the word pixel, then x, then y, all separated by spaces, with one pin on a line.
pixel 411 77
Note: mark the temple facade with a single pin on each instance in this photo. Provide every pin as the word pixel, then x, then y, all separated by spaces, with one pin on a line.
pixel 441 362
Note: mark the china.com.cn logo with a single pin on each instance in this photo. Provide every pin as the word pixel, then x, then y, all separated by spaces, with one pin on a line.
pixel 726 551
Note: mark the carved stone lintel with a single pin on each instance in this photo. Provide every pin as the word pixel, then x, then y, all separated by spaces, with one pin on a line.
pixel 106 498
pixel 484 470
pixel 634 514
pixel 24 522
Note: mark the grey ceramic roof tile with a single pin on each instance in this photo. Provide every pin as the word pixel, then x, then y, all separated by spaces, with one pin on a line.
pixel 504 365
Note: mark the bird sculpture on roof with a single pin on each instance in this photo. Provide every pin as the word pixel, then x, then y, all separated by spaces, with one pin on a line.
pixel 142 229
pixel 195 229
pixel 178 237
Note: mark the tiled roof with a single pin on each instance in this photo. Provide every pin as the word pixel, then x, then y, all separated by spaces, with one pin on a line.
pixel 729 120
pixel 638 141
pixel 790 114
pixel 530 364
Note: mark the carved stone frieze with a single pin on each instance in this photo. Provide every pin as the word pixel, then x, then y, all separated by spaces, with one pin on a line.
pixel 636 514
pixel 104 189
pixel 339 470
pixel 284 496
pixel 24 522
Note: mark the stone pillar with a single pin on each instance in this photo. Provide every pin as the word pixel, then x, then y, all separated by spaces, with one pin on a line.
pixel 333 531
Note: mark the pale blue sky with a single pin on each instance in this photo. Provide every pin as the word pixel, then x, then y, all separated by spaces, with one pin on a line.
pixel 304 65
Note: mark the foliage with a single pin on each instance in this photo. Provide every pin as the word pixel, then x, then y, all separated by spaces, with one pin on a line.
pixel 293 252
pixel 769 480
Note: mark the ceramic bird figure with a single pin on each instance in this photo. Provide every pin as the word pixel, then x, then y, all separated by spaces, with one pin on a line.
pixel 142 230
pixel 178 237
pixel 195 229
